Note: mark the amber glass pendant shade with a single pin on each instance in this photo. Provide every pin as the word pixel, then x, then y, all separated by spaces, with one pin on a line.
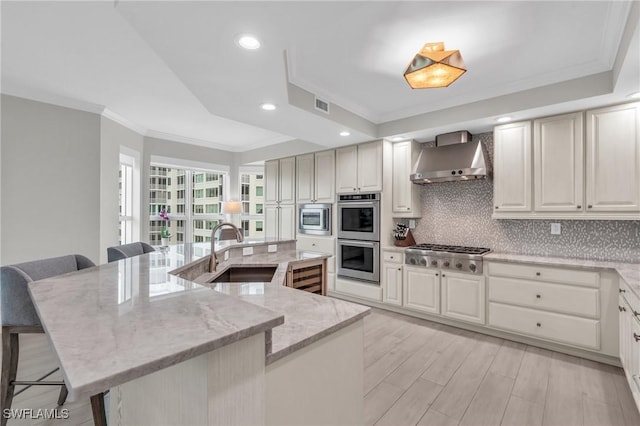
pixel 434 67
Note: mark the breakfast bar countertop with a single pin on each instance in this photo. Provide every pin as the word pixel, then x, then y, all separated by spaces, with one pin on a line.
pixel 120 321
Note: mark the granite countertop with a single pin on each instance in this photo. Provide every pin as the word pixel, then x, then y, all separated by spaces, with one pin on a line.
pixel 629 272
pixel 307 317
pixel 120 321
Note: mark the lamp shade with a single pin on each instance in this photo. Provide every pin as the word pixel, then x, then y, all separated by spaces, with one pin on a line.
pixel 231 207
pixel 434 67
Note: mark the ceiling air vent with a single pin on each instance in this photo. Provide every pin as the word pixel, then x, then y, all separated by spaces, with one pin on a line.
pixel 322 105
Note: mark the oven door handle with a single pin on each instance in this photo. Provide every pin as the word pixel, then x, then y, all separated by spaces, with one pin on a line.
pixel 372 244
pixel 356 204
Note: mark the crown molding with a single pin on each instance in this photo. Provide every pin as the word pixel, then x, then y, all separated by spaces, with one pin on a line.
pixel 51 98
pixel 125 122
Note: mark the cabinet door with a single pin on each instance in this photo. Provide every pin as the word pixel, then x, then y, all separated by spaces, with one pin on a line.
pixel 558 158
pixel 613 158
pixel 271 221
pixel 287 221
pixel 625 332
pixel 512 168
pixel 325 177
pixel 305 178
pixel 421 289
pixel 347 169
pixel 392 283
pixel 370 167
pixel 288 180
pixel 271 181
pixel 463 297
pixel 402 186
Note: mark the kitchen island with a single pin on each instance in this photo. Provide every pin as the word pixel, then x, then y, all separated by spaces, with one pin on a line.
pixel 177 351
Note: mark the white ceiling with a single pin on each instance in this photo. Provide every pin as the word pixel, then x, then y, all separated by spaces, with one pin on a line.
pixel 173 69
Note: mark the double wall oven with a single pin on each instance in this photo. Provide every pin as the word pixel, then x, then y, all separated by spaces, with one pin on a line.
pixel 359 237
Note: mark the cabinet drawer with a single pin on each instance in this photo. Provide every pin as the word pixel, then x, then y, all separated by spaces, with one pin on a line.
pixel 546 325
pixel 556 297
pixel 392 256
pixel 319 244
pixel 545 273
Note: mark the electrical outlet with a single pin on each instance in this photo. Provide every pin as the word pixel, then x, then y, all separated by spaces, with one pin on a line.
pixel 247 251
pixel 412 223
pixel 272 248
pixel 226 255
pixel 555 229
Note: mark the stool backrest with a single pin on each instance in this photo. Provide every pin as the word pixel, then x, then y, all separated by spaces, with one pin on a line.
pixel 127 250
pixel 16 306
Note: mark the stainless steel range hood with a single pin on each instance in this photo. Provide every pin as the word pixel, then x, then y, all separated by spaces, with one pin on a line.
pixel 454 158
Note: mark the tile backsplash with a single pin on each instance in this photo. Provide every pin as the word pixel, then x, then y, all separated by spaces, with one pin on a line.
pixel 459 213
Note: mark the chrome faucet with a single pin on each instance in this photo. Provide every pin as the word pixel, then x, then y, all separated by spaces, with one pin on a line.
pixel 214 260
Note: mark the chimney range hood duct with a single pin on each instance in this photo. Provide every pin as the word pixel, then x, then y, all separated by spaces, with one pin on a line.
pixel 454 158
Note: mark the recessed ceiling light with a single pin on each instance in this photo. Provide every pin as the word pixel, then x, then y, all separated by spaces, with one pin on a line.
pixel 268 107
pixel 397 138
pixel 635 95
pixel 503 119
pixel 344 133
pixel 248 42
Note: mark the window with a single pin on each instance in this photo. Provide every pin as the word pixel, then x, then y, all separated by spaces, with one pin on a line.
pixel 251 196
pixel 191 219
pixel 126 199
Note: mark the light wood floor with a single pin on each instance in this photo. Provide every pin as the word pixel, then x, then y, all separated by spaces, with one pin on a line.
pixel 419 372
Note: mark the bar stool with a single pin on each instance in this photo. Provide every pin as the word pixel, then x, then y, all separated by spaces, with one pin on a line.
pixel 127 250
pixel 19 316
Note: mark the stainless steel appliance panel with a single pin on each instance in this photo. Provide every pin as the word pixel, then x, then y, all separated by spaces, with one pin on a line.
pixel 314 219
pixel 359 260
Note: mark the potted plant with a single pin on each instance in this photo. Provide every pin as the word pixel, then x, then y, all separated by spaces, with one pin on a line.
pixel 165 235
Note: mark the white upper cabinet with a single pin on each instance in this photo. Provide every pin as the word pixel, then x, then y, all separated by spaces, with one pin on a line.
pixel 305 178
pixel 558 163
pixel 325 176
pixel 315 181
pixel 405 194
pixel 512 168
pixel 280 183
pixel 288 180
pixel 359 168
pixel 613 159
pixel 271 181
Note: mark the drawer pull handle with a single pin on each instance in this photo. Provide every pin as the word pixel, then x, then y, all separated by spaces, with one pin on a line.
pixel 399 269
pixel 437 275
pixel 390 257
pixel 590 206
pixel 538 324
pixel 578 207
pixel 622 290
pixel 635 313
pixel 443 275
pixel 622 309
pixel 538 296
pixel 537 274
pixel 636 337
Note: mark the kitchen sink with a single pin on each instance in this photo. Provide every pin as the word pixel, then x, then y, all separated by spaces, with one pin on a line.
pixel 236 274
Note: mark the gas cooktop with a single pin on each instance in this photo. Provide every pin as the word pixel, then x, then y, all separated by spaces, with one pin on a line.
pixel 450 249
pixel 463 259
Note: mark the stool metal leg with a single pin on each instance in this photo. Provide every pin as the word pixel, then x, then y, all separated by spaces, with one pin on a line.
pixel 10 351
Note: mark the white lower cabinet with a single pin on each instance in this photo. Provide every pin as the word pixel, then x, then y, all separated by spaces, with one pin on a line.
pixel 628 307
pixel 421 289
pixel 561 305
pixel 392 277
pixel 463 297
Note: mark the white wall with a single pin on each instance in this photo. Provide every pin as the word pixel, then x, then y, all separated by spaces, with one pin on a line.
pixel 112 137
pixel 50 181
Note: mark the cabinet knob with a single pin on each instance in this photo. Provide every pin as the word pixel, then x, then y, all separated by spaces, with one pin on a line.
pixel 443 275
pixel 538 324
pixel 622 309
pixel 589 206
pixel 636 337
pixel 437 275
pixel 496 207
pixel 622 290
pixel 399 269
pixel 538 296
pixel 578 207
pixel 408 208
pixel 537 274
pixel 390 257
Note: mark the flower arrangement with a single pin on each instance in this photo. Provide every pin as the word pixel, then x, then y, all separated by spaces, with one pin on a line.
pixel 164 233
